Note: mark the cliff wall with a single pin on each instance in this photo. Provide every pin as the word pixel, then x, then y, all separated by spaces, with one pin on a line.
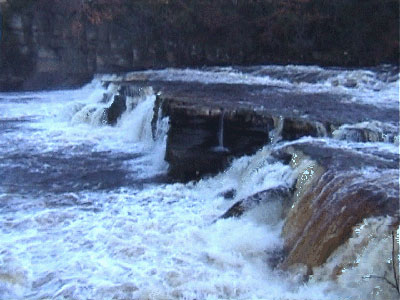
pixel 62 43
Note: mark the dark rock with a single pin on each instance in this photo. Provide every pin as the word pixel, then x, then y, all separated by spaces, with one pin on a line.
pixel 193 137
pixel 350 83
pixel 230 194
pixel 235 211
pixel 282 194
pixel 294 129
pixel 117 108
pixel 157 113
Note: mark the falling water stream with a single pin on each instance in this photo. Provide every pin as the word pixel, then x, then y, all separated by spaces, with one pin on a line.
pixel 220 147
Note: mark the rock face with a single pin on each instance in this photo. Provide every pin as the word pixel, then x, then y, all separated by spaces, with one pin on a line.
pixel 193 138
pixel 252 117
pixel 49 44
pixel 337 190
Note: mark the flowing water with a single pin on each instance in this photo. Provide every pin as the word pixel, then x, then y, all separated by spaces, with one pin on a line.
pixel 86 211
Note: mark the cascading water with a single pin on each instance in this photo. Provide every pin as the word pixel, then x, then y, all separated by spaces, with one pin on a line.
pixel 220 147
pixel 276 133
pixel 135 122
pixel 85 215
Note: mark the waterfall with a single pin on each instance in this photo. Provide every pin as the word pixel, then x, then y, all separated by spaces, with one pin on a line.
pixel 160 135
pixel 133 126
pixel 220 147
pixel 321 129
pixel 136 124
pixel 92 109
pixel 276 133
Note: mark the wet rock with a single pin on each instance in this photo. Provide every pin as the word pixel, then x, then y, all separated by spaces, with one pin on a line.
pixel 157 115
pixel 350 83
pixel 230 194
pixel 193 138
pixel 117 108
pixel 367 132
pixel 282 194
pixel 337 189
pixel 296 128
pixel 235 211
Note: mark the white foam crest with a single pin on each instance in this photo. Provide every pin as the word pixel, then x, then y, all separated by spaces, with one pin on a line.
pixel 136 127
pixel 38 104
pixel 137 123
pixel 156 243
pixel 251 174
pixel 362 86
pixel 359 85
pixel 363 265
pixel 91 109
pixel 359 147
pixel 90 114
pixel 224 75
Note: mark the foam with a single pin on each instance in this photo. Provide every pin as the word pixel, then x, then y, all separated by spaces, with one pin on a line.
pixel 378 87
pixel 363 262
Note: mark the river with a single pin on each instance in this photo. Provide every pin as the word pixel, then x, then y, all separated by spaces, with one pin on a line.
pixel 87 211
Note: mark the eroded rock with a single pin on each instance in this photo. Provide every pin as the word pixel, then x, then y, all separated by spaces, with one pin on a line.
pixel 336 189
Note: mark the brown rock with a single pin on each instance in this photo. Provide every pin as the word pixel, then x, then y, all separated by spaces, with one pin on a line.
pixel 344 187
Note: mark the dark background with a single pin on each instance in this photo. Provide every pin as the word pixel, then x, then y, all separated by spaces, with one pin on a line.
pixel 62 43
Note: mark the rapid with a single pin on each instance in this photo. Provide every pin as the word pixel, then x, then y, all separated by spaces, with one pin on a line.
pixel 87 210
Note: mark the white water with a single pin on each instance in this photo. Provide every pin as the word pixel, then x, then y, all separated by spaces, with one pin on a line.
pixel 375 87
pixel 125 234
